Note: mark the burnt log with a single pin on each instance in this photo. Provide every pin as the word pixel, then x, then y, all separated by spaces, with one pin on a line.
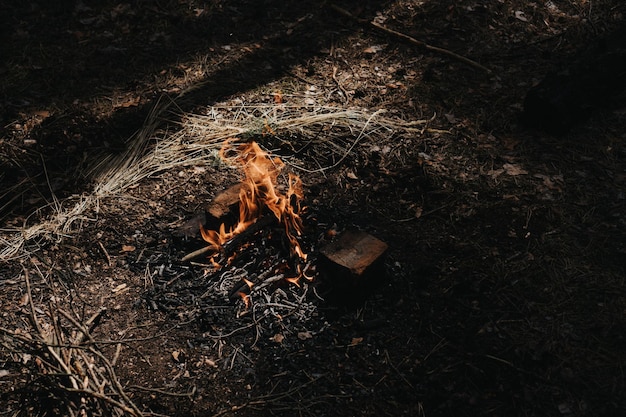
pixel 222 210
pixel 238 240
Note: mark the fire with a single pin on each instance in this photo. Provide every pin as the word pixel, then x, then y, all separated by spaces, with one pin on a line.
pixel 245 298
pixel 260 195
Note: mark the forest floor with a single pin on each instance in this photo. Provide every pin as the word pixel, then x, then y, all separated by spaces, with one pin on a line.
pixel 503 288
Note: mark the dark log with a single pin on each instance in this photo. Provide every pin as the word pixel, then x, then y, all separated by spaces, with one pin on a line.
pixel 222 210
pixel 235 243
pixel 351 267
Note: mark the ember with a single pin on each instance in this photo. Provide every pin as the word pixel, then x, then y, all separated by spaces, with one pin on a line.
pixel 260 196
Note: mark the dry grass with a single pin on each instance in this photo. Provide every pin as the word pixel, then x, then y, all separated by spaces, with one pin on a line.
pixel 329 134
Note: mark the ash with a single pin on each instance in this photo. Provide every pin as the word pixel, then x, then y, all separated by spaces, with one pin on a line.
pixel 253 297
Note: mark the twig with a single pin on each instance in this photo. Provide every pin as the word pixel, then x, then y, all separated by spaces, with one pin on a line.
pixel 231 246
pixel 406 381
pixel 105 253
pixel 118 350
pixel 412 40
pixel 64 366
pixel 114 381
pixel 266 399
pixel 107 399
pixel 162 392
pixel 343 90
pixel 90 324
pixel 197 253
pixel 30 302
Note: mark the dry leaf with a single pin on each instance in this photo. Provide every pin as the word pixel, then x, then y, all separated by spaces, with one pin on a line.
pixel 128 248
pixel 519 15
pixel 514 170
pixel 373 49
pixel 355 341
pixel 277 338
pixel 24 300
pixel 42 113
pixel 352 175
pixel 119 288
pixel 304 335
pixel 177 355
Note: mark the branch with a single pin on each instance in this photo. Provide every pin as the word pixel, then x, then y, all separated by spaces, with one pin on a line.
pixel 411 39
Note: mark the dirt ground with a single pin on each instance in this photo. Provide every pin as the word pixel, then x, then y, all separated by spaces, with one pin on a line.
pixel 503 289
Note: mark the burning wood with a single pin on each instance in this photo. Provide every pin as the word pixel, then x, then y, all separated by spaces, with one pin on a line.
pixel 260 201
pixel 222 207
pixel 247 268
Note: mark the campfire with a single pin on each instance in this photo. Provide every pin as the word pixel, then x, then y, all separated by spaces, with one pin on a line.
pixel 254 231
pixel 260 196
pixel 261 247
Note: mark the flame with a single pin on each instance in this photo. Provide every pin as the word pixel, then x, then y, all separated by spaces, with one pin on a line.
pixel 245 298
pixel 294 280
pixel 259 193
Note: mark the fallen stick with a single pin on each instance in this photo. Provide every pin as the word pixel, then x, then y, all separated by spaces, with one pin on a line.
pixel 411 39
pixel 197 253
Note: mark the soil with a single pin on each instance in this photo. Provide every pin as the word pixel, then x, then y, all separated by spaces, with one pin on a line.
pixel 503 286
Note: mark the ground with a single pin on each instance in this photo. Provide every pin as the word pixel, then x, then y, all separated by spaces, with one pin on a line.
pixel 503 290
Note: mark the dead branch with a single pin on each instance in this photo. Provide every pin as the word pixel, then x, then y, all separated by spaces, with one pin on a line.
pixel 412 40
pixel 114 381
pixel 62 355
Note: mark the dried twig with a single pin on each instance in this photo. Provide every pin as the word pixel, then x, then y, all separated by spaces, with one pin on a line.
pixel 106 253
pixel 411 39
pixel 346 96
pixel 69 357
pixel 163 392
pixel 198 253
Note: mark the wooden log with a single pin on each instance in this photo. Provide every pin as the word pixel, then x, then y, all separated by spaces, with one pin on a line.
pixel 352 266
pixel 191 228
pixel 233 244
pixel 223 208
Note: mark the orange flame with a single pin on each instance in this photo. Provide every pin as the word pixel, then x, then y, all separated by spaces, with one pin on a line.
pixel 259 192
pixel 248 282
pixel 245 298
